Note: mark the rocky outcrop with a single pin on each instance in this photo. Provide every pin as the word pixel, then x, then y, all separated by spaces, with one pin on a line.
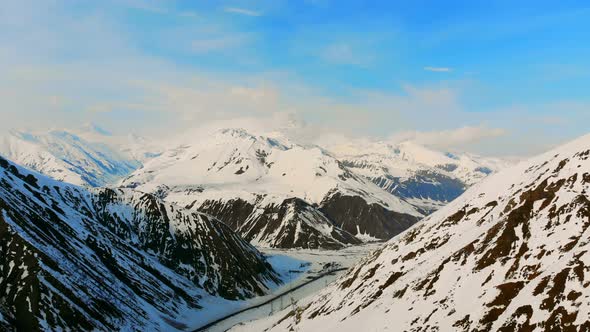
pixel 354 215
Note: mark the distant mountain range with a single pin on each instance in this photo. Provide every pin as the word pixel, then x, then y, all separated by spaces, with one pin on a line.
pixel 113 259
pixel 511 254
pixel 424 177
pixel 90 156
pixel 273 191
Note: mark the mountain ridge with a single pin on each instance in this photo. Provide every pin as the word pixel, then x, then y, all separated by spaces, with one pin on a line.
pixel 109 259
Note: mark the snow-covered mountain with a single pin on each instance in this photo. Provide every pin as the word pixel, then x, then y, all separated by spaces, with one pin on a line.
pixel 427 178
pixel 131 146
pixel 112 259
pixel 511 254
pixel 274 191
pixel 67 157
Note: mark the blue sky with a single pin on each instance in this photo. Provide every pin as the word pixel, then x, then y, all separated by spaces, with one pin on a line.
pixel 501 77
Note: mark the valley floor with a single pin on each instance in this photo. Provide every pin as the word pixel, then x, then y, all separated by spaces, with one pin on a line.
pixel 297 267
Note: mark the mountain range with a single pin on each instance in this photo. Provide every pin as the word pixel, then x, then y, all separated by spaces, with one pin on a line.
pixel 511 254
pixel 426 178
pixel 69 157
pixel 163 235
pixel 270 189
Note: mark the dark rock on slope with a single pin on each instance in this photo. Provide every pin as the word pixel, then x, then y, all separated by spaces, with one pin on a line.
pixel 354 215
pixel 291 224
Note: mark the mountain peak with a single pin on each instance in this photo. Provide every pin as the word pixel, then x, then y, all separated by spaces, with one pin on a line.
pixel 236 132
pixel 93 128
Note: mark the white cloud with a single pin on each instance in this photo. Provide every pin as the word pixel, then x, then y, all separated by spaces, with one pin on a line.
pixel 242 11
pixel 345 53
pixel 453 138
pixel 206 98
pixel 439 69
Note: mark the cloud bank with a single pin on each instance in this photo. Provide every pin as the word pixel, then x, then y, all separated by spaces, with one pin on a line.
pixel 453 138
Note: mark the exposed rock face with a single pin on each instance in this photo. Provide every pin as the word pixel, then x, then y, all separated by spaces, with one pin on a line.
pixel 356 216
pixel 511 254
pixel 338 221
pixel 291 224
pixel 112 259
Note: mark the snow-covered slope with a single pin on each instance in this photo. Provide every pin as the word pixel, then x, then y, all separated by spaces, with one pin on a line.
pixel 67 157
pixel 427 178
pixel 261 172
pixel 511 254
pixel 109 260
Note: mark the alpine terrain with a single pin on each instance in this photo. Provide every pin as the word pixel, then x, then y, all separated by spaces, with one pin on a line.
pixel 511 254
pixel 66 156
pixel 273 191
pixel 424 177
pixel 113 259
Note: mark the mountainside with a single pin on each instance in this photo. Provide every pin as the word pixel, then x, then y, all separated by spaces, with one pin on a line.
pixel 250 182
pixel 427 178
pixel 67 157
pixel 112 259
pixel 511 254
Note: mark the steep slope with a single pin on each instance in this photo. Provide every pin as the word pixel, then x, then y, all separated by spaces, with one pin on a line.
pixel 249 181
pixel 112 259
pixel 67 157
pixel 427 178
pixel 512 254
